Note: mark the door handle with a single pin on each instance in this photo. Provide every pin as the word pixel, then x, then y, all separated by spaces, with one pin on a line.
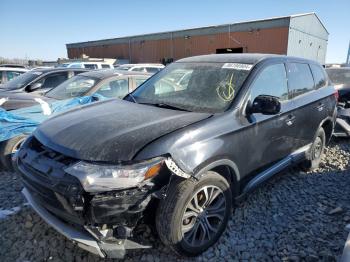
pixel 290 120
pixel 320 107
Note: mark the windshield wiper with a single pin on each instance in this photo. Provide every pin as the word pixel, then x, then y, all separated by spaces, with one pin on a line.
pixel 164 105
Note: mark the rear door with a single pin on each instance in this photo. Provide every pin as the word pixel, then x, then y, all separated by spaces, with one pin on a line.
pixel 309 102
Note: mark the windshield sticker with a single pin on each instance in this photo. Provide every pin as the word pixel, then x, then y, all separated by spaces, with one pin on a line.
pixel 37 73
pixel 237 66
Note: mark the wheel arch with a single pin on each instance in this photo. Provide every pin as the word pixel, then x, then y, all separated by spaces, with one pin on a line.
pixel 226 168
pixel 328 126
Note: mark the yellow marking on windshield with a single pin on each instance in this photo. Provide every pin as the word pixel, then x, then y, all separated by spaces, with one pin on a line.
pixel 226 92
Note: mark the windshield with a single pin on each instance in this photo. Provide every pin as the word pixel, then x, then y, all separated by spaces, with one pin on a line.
pixel 339 76
pixel 21 80
pixel 198 87
pixel 76 86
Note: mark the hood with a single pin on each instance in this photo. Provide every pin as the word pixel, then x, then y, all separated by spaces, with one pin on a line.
pixel 112 130
pixel 11 100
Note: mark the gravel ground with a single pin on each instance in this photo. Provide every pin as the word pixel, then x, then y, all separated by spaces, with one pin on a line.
pixel 296 216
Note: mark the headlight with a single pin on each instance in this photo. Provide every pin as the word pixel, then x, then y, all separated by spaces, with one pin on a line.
pixel 101 177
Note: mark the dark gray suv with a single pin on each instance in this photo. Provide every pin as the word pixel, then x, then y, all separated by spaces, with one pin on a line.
pixel 181 149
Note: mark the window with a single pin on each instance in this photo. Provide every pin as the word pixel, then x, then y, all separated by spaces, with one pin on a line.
pixel 75 66
pixel 77 72
pixel 114 88
pixel 90 66
pixel 105 66
pixel 271 81
pixel 53 80
pixel 11 74
pixel 153 70
pixel 139 69
pixel 0 77
pixel 300 79
pixel 22 80
pixel 319 76
pixel 140 80
pixel 76 86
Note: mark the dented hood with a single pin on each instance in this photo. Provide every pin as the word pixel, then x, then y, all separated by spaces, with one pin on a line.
pixel 111 131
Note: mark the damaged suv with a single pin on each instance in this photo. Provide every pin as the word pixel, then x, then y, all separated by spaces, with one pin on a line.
pixel 183 151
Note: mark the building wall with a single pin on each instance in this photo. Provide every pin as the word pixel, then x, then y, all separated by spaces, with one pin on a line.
pixel 268 40
pixel 307 38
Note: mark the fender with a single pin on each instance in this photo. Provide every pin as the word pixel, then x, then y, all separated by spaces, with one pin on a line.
pixel 221 162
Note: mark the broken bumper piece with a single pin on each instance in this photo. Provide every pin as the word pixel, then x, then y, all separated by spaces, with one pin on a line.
pixel 82 237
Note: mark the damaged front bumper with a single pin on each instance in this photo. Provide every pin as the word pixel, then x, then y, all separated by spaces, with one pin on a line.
pixel 83 238
pixel 103 223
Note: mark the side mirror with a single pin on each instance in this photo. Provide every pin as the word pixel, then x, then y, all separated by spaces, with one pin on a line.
pixel 266 105
pixel 34 87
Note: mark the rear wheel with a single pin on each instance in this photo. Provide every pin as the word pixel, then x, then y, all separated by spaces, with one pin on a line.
pixel 194 214
pixel 313 156
pixel 8 148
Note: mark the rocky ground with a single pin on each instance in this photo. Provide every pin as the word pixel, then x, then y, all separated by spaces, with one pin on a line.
pixel 296 216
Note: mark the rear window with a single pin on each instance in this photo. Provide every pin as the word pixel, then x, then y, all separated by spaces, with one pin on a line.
pixel 90 66
pixel 300 79
pixel 320 77
pixel 12 74
pixel 152 70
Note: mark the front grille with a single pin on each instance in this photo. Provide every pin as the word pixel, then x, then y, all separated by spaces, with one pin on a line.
pixel 43 174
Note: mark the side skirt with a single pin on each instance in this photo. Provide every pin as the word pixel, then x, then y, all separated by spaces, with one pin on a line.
pixel 292 159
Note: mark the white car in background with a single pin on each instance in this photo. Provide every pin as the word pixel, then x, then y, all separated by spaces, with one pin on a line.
pixel 146 68
pixel 8 73
pixel 87 65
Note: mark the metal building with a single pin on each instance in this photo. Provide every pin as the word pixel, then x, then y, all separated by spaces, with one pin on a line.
pixel 301 35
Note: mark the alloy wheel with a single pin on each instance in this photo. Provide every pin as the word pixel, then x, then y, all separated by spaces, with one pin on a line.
pixel 203 216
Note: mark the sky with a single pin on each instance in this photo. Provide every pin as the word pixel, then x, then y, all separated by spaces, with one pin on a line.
pixel 39 29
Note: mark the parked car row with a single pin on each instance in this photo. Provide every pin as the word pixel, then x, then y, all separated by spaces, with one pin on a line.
pixel 179 150
pixel 146 68
pixel 340 77
pixel 8 73
pixel 87 65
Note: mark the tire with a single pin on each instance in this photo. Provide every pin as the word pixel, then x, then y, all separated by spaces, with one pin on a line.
pixel 314 155
pixel 9 147
pixel 171 213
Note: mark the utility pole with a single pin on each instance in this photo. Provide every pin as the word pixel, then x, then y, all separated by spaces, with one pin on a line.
pixel 348 57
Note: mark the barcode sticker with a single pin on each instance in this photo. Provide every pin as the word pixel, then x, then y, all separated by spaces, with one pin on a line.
pixel 237 66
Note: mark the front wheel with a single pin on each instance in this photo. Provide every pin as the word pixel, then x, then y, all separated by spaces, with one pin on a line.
pixel 194 214
pixel 8 148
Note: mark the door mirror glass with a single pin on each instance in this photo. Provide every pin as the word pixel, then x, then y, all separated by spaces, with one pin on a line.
pixel 266 105
pixel 34 87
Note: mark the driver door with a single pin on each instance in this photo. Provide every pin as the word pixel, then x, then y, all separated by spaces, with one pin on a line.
pixel 269 137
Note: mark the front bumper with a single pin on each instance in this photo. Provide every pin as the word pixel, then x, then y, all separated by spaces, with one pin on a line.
pixel 82 237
